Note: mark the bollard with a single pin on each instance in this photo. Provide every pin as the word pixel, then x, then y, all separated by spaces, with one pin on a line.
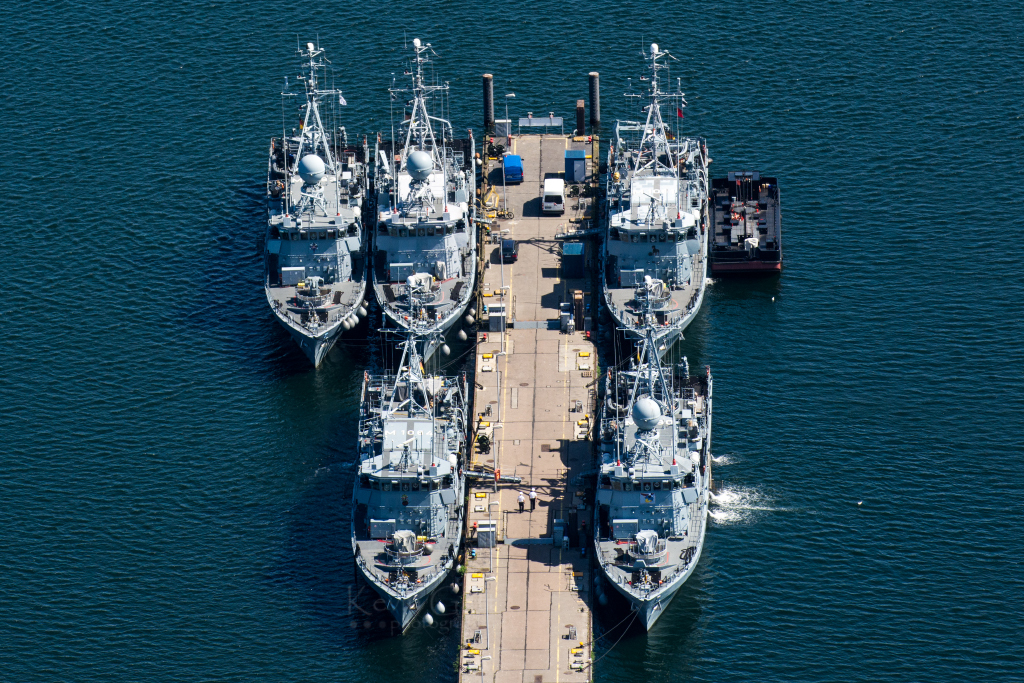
pixel 488 103
pixel 595 101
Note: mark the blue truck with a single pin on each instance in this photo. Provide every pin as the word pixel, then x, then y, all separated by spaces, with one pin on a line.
pixel 512 164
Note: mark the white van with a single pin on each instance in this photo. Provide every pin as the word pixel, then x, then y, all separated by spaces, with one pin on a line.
pixel 554 196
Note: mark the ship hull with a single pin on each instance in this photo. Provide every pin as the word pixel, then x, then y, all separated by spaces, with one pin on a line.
pixel 314 345
pixel 436 335
pixel 667 336
pixel 405 609
pixel 648 611
pixel 745 267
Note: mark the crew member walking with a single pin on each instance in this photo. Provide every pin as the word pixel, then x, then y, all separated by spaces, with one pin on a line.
pixel 522 501
pixel 533 499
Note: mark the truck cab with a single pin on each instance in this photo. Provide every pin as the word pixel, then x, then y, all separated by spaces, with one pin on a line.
pixel 512 166
pixel 553 200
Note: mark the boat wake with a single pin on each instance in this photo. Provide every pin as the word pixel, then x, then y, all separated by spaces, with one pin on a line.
pixel 722 459
pixel 739 505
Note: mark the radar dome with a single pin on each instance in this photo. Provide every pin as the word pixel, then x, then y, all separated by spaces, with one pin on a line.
pixel 654 48
pixel 311 169
pixel 646 413
pixel 419 164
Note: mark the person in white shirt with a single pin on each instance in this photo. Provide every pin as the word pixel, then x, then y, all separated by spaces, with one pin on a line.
pixel 533 499
pixel 522 501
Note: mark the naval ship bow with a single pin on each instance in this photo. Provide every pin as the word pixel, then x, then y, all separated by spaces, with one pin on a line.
pixel 424 243
pixel 653 482
pixel 409 495
pixel 315 260
pixel 657 216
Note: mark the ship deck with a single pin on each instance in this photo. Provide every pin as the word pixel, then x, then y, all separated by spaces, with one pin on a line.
pixel 341 299
pixel 527 608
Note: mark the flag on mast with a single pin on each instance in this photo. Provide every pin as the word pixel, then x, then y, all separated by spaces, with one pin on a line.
pixel 679 112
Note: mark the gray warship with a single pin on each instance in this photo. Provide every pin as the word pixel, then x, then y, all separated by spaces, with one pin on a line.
pixel 424 262
pixel 409 496
pixel 656 212
pixel 653 481
pixel 315 278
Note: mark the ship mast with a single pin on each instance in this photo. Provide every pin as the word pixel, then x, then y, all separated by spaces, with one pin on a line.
pixel 314 136
pixel 419 134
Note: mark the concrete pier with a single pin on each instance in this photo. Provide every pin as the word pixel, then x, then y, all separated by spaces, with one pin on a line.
pixel 527 600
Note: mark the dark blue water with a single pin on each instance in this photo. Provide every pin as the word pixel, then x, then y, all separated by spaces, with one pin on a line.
pixel 175 477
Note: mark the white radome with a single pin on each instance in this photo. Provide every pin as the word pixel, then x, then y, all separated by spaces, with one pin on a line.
pixel 311 169
pixel 646 413
pixel 419 164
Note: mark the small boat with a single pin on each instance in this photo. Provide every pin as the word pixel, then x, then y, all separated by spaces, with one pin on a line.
pixel 408 502
pixel 315 257
pixel 424 263
pixel 653 485
pixel 656 208
pixel 746 224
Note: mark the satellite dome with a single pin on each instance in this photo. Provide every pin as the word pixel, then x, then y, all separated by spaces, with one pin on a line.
pixel 654 48
pixel 311 169
pixel 419 164
pixel 646 413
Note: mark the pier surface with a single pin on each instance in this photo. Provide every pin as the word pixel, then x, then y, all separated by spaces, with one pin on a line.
pixel 527 601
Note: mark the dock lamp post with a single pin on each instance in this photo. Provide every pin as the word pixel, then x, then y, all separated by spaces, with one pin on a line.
pixel 508 138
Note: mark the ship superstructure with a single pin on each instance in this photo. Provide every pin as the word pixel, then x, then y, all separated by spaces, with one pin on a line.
pixel 653 481
pixel 424 239
pixel 409 496
pixel 657 218
pixel 315 256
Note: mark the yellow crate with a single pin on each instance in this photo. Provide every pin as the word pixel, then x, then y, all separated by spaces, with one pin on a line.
pixel 485 424
pixel 487 356
pixel 476 576
pixel 480 495
pixel 584 354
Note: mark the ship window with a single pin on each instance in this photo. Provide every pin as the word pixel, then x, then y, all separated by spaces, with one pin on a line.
pixel 375 485
pixel 304 236
pixel 616 485
pixel 657 486
pixel 323 234
pixel 286 236
pixel 415 486
pixel 405 487
pixel 627 486
pixel 387 487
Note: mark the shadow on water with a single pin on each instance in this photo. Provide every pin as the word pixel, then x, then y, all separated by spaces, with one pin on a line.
pixel 622 638
pixel 229 309
pixel 317 566
pixel 744 287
